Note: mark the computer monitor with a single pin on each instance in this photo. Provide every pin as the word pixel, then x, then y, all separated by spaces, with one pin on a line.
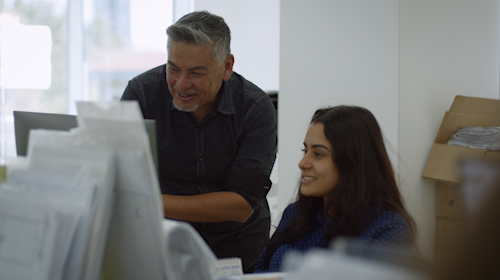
pixel 25 121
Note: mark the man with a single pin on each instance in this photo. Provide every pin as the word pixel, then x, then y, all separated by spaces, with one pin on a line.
pixel 216 138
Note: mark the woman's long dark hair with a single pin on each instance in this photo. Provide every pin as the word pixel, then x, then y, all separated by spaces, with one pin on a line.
pixel 366 179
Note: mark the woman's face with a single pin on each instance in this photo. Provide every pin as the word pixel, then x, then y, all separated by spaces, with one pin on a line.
pixel 320 174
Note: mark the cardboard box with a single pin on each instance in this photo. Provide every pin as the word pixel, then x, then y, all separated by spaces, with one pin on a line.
pixel 444 161
pixel 450 204
pixel 450 235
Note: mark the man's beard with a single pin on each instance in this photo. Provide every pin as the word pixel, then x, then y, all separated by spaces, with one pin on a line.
pixel 187 110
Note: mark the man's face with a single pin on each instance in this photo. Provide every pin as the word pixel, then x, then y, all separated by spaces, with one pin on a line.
pixel 194 77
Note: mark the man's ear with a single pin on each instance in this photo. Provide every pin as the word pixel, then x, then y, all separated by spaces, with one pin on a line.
pixel 228 67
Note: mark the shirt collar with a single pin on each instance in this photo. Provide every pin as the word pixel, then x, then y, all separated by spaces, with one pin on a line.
pixel 225 104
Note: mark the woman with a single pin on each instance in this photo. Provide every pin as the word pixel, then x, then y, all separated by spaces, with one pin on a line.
pixel 347 188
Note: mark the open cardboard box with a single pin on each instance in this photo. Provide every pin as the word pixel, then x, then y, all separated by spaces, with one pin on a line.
pixel 444 160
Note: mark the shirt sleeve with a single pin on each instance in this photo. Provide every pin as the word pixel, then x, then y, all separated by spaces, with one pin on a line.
pixel 249 174
pixel 288 215
pixel 389 228
pixel 134 91
pixel 250 185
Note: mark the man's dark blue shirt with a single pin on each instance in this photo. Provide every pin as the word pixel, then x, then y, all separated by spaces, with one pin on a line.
pixel 231 149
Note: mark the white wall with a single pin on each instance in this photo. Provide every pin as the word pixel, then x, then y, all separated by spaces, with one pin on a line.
pixel 254 37
pixel 334 52
pixel 404 60
pixel 359 52
pixel 447 48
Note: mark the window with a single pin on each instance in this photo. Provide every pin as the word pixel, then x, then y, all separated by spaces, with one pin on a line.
pixel 122 40
pixel 56 52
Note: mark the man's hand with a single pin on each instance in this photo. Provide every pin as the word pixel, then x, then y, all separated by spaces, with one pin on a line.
pixel 210 207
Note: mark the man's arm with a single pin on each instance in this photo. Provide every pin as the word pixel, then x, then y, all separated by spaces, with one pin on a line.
pixel 132 93
pixel 247 180
pixel 208 207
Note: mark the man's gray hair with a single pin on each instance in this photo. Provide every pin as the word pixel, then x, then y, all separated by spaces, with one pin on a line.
pixel 202 28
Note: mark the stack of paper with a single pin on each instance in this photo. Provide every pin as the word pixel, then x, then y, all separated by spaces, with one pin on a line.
pixel 351 258
pixel 142 244
pixel 322 264
pixel 188 255
pixel 86 204
pixel 52 214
